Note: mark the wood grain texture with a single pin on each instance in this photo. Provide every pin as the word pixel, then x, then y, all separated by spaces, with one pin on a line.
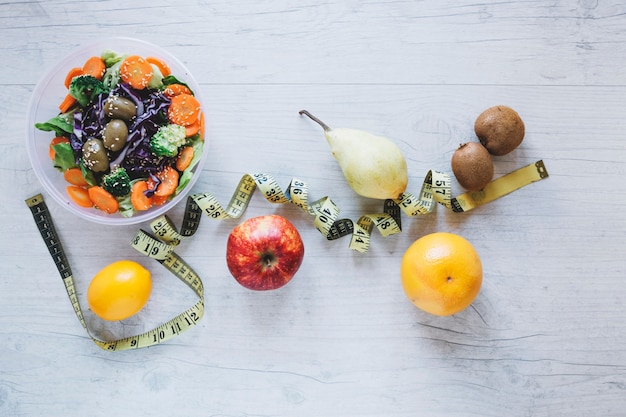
pixel 546 335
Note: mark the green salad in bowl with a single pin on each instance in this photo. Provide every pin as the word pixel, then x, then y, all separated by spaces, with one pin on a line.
pixel 116 131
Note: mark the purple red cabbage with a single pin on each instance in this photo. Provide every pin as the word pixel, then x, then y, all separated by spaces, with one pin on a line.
pixel 136 157
pixel 155 184
pixel 140 162
pixel 76 138
pixel 88 124
pixel 125 90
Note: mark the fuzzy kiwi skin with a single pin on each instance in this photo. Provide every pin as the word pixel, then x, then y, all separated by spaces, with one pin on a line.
pixel 472 166
pixel 500 129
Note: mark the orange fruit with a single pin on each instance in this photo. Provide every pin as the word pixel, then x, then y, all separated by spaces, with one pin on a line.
pixel 119 290
pixel 441 273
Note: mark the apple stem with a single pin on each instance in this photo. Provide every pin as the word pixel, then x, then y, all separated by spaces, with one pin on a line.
pixel 315 119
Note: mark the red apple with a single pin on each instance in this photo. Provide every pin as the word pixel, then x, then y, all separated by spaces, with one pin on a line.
pixel 264 253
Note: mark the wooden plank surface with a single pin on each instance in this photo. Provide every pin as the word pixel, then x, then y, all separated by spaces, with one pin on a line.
pixel 545 337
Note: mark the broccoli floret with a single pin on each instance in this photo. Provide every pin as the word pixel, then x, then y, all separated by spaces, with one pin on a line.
pixel 117 182
pixel 167 140
pixel 84 88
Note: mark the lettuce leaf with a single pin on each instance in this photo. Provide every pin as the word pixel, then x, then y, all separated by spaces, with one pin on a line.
pixel 187 174
pixel 64 156
pixel 88 174
pixel 61 124
pixel 126 208
pixel 111 57
pixel 170 79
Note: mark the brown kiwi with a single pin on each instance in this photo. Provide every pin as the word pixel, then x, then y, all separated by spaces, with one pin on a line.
pixel 500 129
pixel 472 166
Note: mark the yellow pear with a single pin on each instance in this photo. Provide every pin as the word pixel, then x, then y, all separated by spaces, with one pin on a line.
pixel 373 166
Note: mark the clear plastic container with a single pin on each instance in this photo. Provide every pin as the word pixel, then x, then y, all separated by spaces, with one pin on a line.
pixel 43 105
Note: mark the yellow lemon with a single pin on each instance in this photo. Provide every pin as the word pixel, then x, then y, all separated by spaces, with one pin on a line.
pixel 119 290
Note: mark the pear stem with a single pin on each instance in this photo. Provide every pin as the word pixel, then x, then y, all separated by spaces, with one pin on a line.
pixel 315 119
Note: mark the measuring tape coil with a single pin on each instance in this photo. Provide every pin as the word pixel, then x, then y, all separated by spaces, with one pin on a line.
pixel 436 189
pixel 162 251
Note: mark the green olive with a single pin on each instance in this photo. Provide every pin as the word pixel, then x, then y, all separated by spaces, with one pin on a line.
pixel 114 135
pixel 95 156
pixel 117 107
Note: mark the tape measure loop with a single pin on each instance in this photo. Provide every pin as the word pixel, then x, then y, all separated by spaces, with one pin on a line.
pixel 160 250
pixel 341 228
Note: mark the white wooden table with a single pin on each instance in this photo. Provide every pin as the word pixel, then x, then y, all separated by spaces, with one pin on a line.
pixel 546 335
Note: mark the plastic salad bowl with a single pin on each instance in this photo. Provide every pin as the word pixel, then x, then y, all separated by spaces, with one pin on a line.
pixel 54 88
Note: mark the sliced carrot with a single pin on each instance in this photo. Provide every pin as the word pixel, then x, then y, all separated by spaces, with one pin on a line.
pixel 103 199
pixel 79 195
pixel 138 197
pixel 158 200
pixel 160 64
pixel 75 177
pixel 67 103
pixel 184 110
pixel 184 158
pixel 192 129
pixel 136 71
pixel 169 181
pixel 74 72
pixel 95 67
pixel 176 89
pixel 196 127
pixel 55 141
pixel 201 129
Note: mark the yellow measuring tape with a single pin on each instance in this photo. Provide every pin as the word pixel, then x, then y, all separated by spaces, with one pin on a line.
pixel 160 244
pixel 435 189
pixel 166 256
